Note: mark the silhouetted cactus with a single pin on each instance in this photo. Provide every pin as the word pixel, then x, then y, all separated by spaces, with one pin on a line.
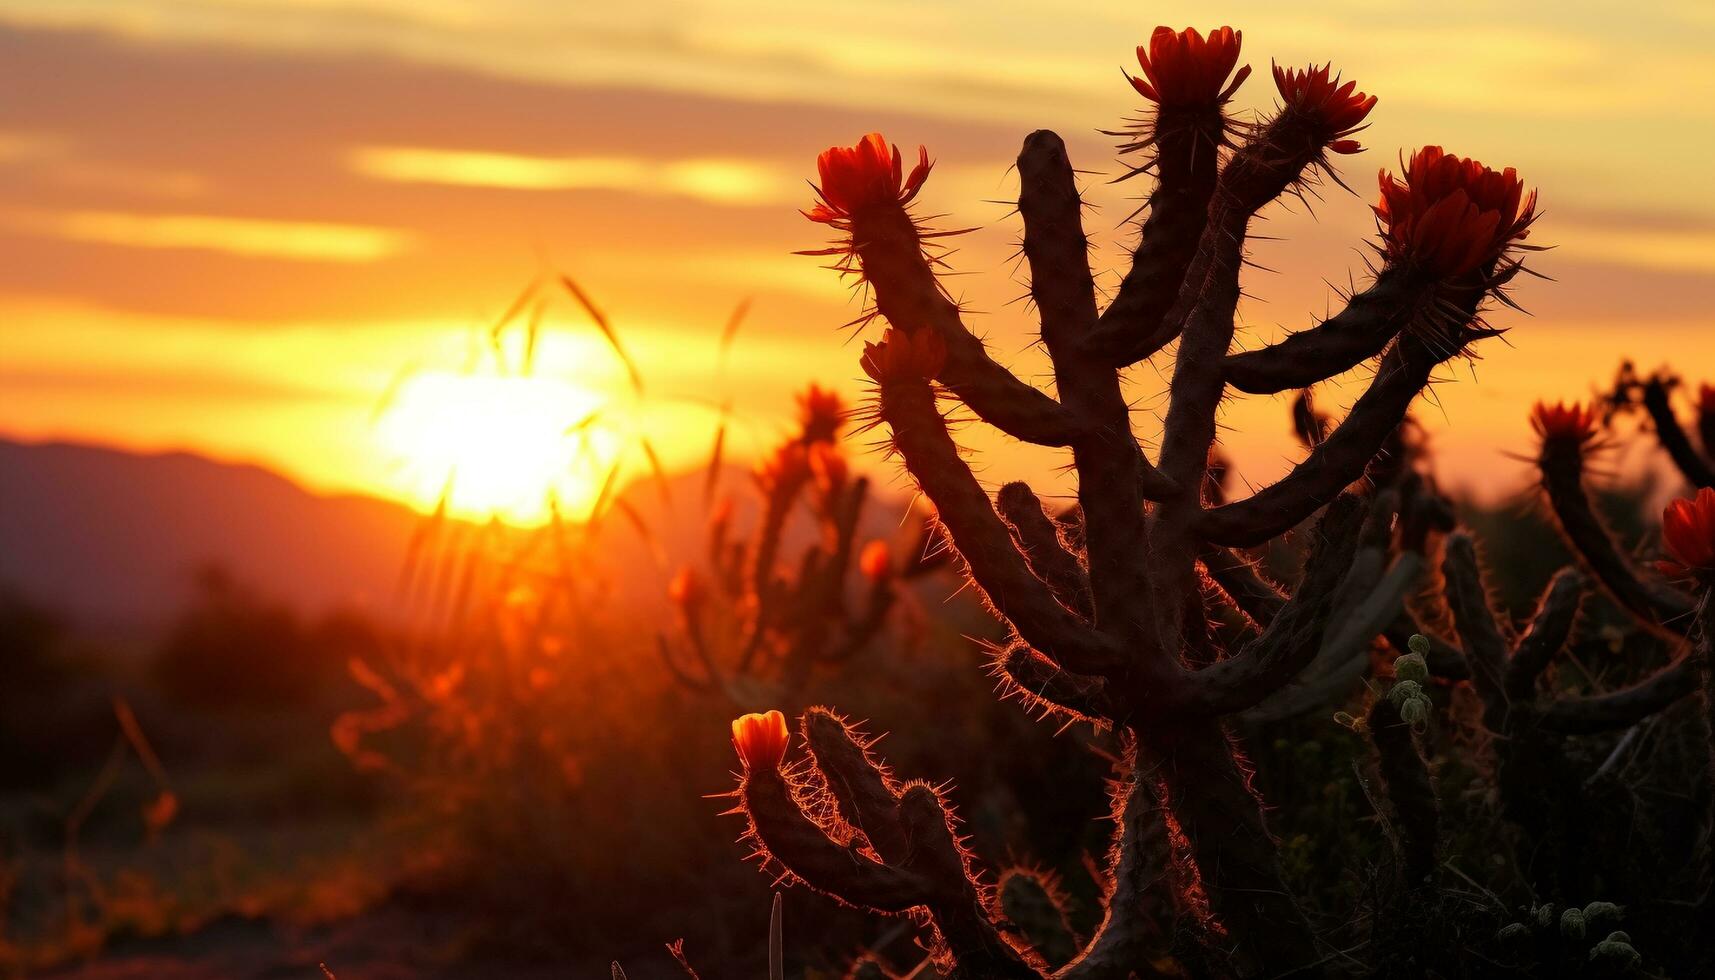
pixel 1112 624
pixel 750 631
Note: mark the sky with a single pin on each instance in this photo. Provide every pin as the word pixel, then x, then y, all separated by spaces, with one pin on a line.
pixel 277 231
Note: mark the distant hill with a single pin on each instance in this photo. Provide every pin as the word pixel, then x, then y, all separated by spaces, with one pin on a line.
pixel 111 537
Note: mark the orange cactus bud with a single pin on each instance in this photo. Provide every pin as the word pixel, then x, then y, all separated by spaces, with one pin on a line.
pixel 901 356
pixel 1452 215
pixel 871 174
pixel 1335 111
pixel 1688 535
pixel 686 589
pixel 1183 70
pixel 760 739
pixel 876 561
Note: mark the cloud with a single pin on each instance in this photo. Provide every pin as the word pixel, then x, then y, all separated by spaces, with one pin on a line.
pixel 713 180
pixel 299 240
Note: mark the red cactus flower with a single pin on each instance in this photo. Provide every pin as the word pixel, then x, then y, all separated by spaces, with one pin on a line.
pixel 686 590
pixel 870 174
pixel 1182 70
pixel 1688 534
pixel 901 356
pixel 1335 111
pixel 1564 423
pixel 760 739
pixel 786 470
pixel 876 561
pixel 822 413
pixel 1451 214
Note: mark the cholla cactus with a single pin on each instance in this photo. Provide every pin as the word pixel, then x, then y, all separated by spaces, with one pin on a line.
pixel 749 630
pixel 1114 625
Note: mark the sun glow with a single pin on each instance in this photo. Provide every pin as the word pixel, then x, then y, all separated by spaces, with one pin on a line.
pixel 504 447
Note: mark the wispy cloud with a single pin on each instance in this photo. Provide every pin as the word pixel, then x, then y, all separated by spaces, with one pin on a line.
pixel 715 181
pixel 300 240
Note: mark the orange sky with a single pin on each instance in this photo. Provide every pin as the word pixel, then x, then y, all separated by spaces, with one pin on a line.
pixel 228 225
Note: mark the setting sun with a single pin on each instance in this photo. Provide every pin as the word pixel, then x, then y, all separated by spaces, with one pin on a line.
pixel 503 447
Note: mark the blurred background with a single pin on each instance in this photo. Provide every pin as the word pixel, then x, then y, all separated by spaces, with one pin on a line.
pixel 356 354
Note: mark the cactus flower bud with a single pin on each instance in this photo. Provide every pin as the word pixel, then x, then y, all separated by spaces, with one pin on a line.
pixel 857 178
pixel 1544 915
pixel 760 738
pixel 1415 712
pixel 686 590
pixel 1331 110
pixel 1616 953
pixel 1451 215
pixel 821 413
pixel 1418 644
pixel 876 561
pixel 1688 534
pixel 1183 70
pixel 1411 667
pixel 1564 424
pixel 901 356
pixel 1597 913
pixel 1404 691
pixel 1572 924
pixel 1512 932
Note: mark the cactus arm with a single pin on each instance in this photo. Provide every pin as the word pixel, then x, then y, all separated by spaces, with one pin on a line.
pixel 1186 164
pixel 962 917
pixel 1410 788
pixel 1626 706
pixel 1239 576
pixel 890 249
pixel 861 788
pixel 1672 436
pixel 1370 320
pixel 1293 637
pixel 1479 628
pixel 1105 455
pixel 797 842
pixel 1136 874
pixel 1044 685
pixel 1655 606
pixel 1205 786
pixel 1335 463
pixel 1039 539
pixel 1344 648
pixel 1547 633
pixel 920 434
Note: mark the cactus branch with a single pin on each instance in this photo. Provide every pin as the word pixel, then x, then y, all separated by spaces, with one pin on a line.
pixel 982 539
pixel 1693 464
pixel 1547 633
pixel 1410 789
pixel 890 248
pixel 1336 461
pixel 1652 604
pixel 1039 539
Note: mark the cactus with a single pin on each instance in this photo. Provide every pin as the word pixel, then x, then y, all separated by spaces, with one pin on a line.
pixel 1114 626
pixel 750 632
